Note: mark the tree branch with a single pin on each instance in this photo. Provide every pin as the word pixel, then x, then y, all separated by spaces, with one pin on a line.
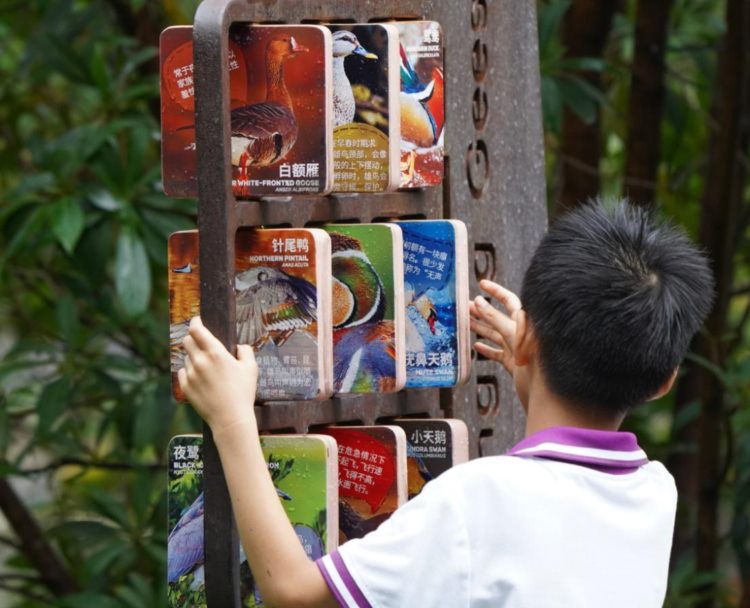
pixel 34 545
pixel 645 104
pixel 89 464
pixel 7 540
pixel 585 31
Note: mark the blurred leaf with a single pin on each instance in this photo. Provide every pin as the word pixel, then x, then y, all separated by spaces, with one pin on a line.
pixel 717 371
pixel 589 64
pixel 53 401
pixel 89 532
pixel 67 318
pixel 141 496
pixel 137 594
pixel 686 415
pixel 550 16
pixel 99 70
pixel 116 556
pixel 72 151
pixel 105 200
pixel 551 105
pixel 135 58
pixel 153 409
pixel 12 367
pixel 31 225
pixel 109 506
pixel 88 599
pixel 578 98
pixel 67 222
pixel 132 273
pixel 137 148
pixel 28 184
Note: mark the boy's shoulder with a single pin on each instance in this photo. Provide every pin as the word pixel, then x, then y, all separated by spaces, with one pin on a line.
pixel 544 476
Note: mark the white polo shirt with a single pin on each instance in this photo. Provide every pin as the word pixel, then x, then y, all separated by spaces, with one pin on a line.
pixel 570 518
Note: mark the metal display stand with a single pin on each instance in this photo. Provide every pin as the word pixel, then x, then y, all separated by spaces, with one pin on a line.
pixel 494 182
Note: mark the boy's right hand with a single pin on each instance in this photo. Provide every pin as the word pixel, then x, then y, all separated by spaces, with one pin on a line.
pixel 495 326
pixel 219 386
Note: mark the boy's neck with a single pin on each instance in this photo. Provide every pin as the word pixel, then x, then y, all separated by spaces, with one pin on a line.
pixel 546 410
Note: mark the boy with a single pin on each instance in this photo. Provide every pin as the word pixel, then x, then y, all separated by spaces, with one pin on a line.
pixel 575 515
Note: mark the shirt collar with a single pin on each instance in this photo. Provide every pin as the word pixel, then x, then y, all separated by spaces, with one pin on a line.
pixel 613 452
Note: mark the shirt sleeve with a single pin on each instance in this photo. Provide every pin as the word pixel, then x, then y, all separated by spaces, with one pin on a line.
pixel 418 557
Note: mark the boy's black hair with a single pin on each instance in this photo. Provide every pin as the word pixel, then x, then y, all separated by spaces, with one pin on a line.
pixel 614 298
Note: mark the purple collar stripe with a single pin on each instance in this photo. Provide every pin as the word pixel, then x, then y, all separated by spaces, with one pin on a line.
pixel 610 451
pixel 340 582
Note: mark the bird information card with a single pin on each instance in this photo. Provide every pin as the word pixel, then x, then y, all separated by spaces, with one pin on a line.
pixel 433 445
pixel 281 101
pixel 368 308
pixel 436 295
pixel 366 125
pixel 422 103
pixel 304 470
pixel 283 307
pixel 372 476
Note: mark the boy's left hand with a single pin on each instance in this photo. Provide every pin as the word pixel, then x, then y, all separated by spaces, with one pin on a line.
pixel 220 386
pixel 494 325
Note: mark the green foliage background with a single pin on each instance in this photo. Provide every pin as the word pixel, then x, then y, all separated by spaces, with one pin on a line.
pixel 85 405
pixel 84 384
pixel 695 35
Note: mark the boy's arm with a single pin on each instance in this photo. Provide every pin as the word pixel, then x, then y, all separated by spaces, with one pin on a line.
pixel 222 390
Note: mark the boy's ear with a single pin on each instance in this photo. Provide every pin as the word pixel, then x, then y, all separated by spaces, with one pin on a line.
pixel 525 344
pixel 667 386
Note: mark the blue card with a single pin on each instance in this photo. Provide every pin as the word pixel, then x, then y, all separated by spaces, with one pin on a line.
pixel 435 287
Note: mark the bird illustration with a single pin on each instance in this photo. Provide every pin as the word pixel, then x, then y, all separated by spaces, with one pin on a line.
pixel 422 110
pixel 345 43
pixel 417 472
pixel 177 333
pixel 359 296
pixel 364 358
pixel 272 305
pixel 185 544
pixel 263 133
pixel 422 303
pixel 363 341
pixel 185 553
pixel 352 524
pixel 421 318
pixel 186 269
pixel 178 330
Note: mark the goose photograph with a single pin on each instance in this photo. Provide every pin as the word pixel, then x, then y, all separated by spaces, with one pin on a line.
pixel 280 87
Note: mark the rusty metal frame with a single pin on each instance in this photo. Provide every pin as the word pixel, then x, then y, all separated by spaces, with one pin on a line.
pixel 494 182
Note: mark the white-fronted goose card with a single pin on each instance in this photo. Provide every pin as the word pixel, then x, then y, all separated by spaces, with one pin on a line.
pixel 281 101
